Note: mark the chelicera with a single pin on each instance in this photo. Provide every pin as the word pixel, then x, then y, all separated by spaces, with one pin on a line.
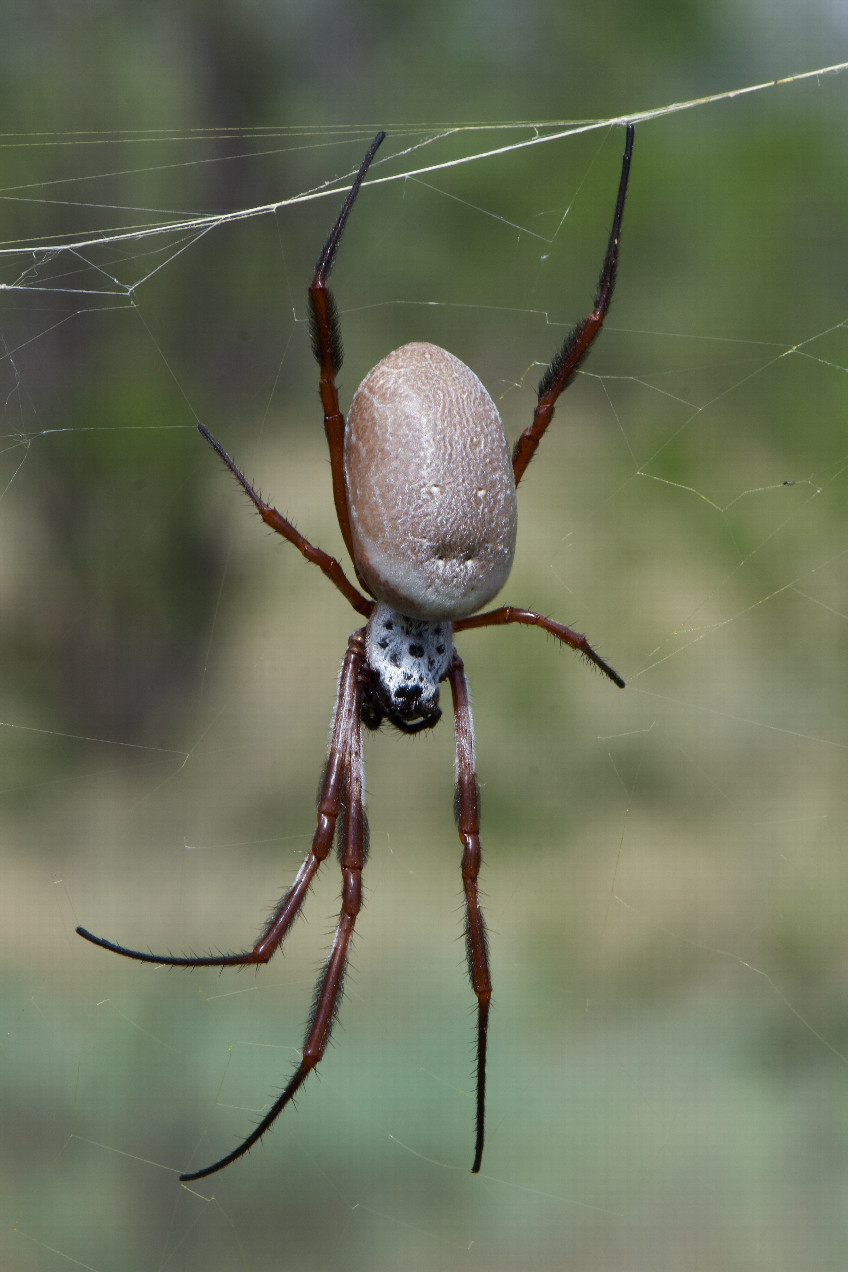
pixel 424 489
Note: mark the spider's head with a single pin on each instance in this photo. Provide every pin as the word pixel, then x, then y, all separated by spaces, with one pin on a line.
pixel 407 658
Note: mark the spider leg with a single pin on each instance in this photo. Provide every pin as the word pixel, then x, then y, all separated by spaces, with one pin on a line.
pixel 577 343
pixel 327 347
pixel 345 727
pixel 508 614
pixel 468 824
pixel 329 988
pixel 328 564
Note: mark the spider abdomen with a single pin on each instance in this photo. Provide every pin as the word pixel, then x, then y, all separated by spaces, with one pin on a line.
pixel 430 487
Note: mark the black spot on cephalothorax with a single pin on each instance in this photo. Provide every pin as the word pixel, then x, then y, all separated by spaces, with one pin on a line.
pixel 383 644
pixel 417 651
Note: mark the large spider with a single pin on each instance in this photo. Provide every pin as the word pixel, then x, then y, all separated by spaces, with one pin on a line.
pixel 424 489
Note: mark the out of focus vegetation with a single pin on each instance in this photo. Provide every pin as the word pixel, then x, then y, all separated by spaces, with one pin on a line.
pixel 665 875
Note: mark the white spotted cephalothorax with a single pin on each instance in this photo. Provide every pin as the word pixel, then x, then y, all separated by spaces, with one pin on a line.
pixel 424 489
pixel 408 657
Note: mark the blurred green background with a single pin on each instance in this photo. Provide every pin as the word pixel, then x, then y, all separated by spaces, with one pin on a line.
pixel 665 875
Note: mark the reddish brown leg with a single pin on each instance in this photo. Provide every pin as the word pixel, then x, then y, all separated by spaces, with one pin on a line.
pixel 468 824
pixel 345 731
pixel 577 343
pixel 508 614
pixel 352 859
pixel 328 564
pixel 327 347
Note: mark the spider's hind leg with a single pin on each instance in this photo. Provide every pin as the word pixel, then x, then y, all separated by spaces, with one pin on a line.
pixel 578 342
pixel 327 347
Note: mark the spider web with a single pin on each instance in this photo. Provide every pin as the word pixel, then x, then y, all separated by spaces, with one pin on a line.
pixel 664 876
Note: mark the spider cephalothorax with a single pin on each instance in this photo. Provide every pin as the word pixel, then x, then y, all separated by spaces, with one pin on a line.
pixel 424 489
pixel 407 657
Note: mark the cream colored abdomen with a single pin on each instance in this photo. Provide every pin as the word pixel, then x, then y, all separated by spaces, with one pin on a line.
pixel 430 487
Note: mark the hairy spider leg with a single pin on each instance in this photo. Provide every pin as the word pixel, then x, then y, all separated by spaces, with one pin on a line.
pixel 326 563
pixel 343 784
pixel 345 726
pixel 509 614
pixel 327 347
pixel 578 342
pixel 468 825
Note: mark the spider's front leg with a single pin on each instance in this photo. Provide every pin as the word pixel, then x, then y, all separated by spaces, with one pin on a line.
pixel 345 777
pixel 468 824
pixel 345 727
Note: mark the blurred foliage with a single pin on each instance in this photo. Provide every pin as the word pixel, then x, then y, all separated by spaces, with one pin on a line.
pixel 664 876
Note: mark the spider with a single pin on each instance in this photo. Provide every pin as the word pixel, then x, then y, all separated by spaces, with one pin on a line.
pixel 424 490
